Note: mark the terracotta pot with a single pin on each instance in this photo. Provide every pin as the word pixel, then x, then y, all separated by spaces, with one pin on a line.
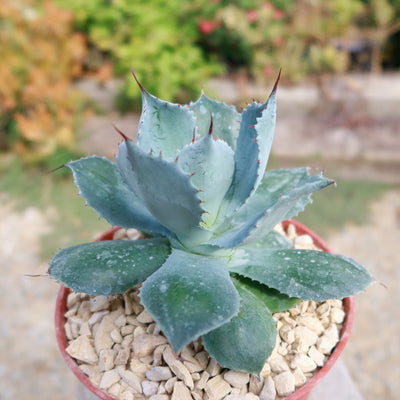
pixel 300 394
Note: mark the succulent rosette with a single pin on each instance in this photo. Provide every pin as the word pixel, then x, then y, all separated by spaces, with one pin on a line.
pixel 211 265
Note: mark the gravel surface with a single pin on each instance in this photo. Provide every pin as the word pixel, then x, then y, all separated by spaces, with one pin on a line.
pixel 372 354
pixel 31 367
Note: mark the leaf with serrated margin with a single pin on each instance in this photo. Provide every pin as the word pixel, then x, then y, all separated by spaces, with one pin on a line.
pixel 274 184
pixel 252 151
pixel 306 274
pixel 103 188
pixel 226 120
pixel 244 343
pixel 272 298
pixel 164 127
pixel 108 267
pixel 190 296
pixel 164 189
pixel 261 221
pixel 288 205
pixel 210 164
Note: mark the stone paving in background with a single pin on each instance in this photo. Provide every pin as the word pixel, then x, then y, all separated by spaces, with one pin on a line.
pixel 373 352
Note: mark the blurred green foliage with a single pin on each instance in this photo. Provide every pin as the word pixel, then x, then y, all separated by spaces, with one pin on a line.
pixel 301 36
pixel 156 38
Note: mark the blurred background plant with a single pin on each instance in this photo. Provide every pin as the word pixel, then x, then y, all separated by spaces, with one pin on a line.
pixel 175 47
pixel 156 38
pixel 40 56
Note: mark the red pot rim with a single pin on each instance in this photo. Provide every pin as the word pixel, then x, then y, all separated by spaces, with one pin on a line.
pixel 300 393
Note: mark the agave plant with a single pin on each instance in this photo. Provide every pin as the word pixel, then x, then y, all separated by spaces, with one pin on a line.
pixel 211 265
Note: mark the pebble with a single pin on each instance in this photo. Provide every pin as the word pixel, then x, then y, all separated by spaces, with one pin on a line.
pixel 145 318
pixel 127 395
pixel 285 383
pixel 236 379
pixel 213 367
pixel 145 344
pixel 311 323
pixel 120 321
pixel 115 389
pixel 268 391
pixel 181 392
pixel 278 363
pixel 304 242
pixel 316 356
pixel 216 388
pixel 177 367
pixel 202 357
pixel 159 397
pixel 149 388
pixel 299 377
pixel 337 315
pixel 109 378
pixel 305 363
pixel 131 379
pixel 138 368
pixel 256 384
pixel 81 348
pixel 116 336
pixel 102 338
pixel 99 303
pixel 201 383
pixel 96 317
pixel 287 334
pixel 159 374
pixel 328 340
pixel 304 338
pixel 169 385
pixel 106 359
pixel 250 396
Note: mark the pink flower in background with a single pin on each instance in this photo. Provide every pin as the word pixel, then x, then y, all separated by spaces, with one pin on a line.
pixel 206 27
pixel 252 16
pixel 279 41
pixel 268 5
pixel 269 70
pixel 278 14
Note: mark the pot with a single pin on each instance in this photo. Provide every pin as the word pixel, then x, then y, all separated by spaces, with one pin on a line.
pixel 301 393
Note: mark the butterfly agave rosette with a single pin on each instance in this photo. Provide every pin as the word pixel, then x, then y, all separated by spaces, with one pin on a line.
pixel 211 265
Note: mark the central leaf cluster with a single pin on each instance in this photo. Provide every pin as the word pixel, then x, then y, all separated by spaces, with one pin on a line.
pixel 195 184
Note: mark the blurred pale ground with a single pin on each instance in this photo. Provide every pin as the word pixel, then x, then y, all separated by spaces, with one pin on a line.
pixel 31 367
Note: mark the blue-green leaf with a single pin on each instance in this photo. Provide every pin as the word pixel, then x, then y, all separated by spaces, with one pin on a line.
pixel 210 163
pixel 288 205
pixel 265 128
pixel 273 241
pixel 190 296
pixel 272 298
pixel 274 184
pixel 306 274
pixel 102 187
pixel 226 120
pixel 260 221
pixel 108 267
pixel 252 151
pixel 164 127
pixel 244 343
pixel 164 188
